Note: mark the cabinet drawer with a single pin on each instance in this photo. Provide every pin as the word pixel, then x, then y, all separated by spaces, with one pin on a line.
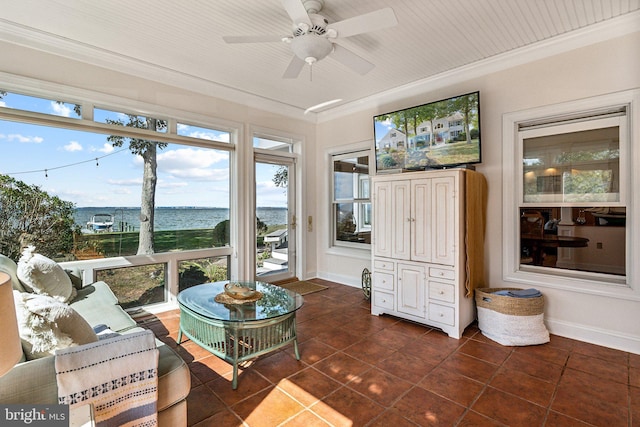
pixel 442 314
pixel 442 291
pixel 382 281
pixel 384 264
pixel 441 273
pixel 383 300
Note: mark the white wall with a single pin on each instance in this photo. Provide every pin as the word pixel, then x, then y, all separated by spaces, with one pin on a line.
pixel 601 68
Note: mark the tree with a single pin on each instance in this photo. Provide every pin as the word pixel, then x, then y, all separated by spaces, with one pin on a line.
pixel 221 233
pixel 30 216
pixel 467 105
pixel 148 151
pixel 281 177
pixel 261 227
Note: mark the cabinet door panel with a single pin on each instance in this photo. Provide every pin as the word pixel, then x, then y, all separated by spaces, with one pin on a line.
pixel 411 289
pixel 420 220
pixel 443 231
pixel 401 206
pixel 382 230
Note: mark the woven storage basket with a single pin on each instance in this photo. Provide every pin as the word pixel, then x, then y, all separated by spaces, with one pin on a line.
pixel 509 320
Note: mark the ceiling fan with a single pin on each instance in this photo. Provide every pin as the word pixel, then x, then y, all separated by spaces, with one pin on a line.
pixel 314 38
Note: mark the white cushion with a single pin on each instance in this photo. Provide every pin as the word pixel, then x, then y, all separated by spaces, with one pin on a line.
pixel 46 324
pixel 44 276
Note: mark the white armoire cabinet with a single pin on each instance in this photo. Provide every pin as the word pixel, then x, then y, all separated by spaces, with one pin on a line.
pixel 418 249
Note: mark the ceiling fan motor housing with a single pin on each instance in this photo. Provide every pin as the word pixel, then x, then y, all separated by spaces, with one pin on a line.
pixel 313 6
pixel 318 26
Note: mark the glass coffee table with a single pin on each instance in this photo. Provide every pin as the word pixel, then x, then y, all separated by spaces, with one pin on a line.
pixel 237 332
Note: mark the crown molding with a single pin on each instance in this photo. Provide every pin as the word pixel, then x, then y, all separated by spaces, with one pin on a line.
pixel 606 30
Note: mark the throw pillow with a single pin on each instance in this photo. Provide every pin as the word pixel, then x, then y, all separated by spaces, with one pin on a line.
pixel 44 276
pixel 46 324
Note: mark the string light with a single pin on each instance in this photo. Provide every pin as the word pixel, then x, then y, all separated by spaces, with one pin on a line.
pixel 67 166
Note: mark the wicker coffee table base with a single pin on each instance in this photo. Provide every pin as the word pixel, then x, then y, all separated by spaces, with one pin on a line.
pixel 238 341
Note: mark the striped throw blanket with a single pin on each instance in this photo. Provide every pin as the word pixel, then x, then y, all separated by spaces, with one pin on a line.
pixel 119 376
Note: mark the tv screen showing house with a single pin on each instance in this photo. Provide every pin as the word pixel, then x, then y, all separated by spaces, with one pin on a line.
pixel 435 135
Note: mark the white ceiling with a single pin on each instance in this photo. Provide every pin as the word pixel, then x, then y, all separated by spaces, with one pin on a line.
pixel 182 41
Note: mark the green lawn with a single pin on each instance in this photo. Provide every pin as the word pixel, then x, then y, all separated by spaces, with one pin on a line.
pixel 122 244
pixel 451 153
pixel 126 243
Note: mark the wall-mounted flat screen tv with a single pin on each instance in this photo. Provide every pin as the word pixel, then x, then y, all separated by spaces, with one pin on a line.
pixel 436 135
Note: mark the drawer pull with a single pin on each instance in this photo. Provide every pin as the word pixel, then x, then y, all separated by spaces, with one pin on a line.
pixel 441 292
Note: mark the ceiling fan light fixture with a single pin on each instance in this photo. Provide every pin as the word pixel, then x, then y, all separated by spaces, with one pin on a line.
pixel 311 46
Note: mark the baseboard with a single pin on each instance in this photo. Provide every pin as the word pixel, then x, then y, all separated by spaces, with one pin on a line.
pixel 309 275
pixel 593 335
pixel 343 280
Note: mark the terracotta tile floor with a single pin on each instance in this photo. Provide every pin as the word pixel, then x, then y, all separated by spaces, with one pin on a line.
pixel 362 370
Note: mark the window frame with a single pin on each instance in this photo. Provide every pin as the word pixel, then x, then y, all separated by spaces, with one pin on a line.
pixel 619 120
pixel 591 283
pixel 345 154
pixel 88 101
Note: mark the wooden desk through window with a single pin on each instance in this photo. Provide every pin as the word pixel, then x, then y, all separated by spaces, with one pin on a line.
pixel 537 244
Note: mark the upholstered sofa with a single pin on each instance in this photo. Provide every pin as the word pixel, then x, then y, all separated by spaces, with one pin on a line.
pixel 34 381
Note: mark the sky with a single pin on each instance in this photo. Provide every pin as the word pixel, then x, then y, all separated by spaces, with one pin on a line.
pixel 84 168
pixel 381 128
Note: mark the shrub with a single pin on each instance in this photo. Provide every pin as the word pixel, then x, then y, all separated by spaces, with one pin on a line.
pixel 28 215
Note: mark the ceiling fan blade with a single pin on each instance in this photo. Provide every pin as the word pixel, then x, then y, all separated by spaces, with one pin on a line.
pixel 371 21
pixel 252 39
pixel 351 60
pixel 297 12
pixel 294 68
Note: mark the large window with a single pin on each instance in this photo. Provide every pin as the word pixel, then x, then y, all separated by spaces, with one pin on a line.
pixel 569 218
pixel 130 185
pixel 572 215
pixel 351 199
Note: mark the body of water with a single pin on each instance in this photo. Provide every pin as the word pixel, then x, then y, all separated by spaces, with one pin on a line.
pixel 175 218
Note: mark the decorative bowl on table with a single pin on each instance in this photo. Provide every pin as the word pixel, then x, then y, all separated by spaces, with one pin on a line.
pixel 237 291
